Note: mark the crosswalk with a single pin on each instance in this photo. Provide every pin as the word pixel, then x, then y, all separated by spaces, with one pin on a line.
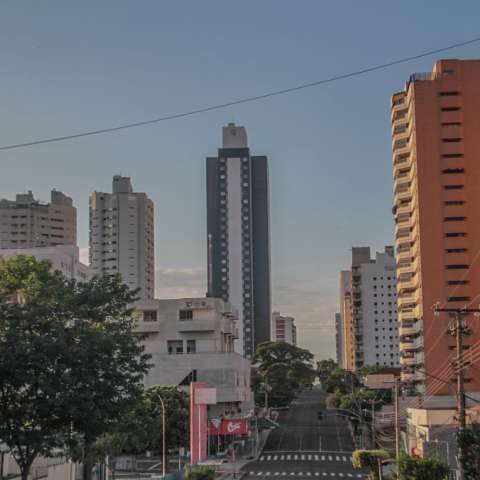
pixel 307 457
pixel 307 474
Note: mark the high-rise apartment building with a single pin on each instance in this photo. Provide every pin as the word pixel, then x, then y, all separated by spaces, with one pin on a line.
pixel 29 223
pixel 338 340
pixel 436 147
pixel 122 236
pixel 372 330
pixel 346 310
pixel 238 236
pixel 283 329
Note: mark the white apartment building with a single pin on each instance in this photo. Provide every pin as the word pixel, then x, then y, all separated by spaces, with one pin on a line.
pixel 122 236
pixel 64 258
pixel 283 329
pixel 192 339
pixel 27 223
pixel 374 308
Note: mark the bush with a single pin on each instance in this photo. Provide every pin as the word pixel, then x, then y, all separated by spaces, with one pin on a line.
pixel 410 468
pixel 202 472
pixel 369 459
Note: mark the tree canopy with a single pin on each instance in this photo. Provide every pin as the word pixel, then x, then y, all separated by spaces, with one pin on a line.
pixel 410 468
pixel 283 370
pixel 70 364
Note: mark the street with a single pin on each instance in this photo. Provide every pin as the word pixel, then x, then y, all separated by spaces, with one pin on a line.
pixel 305 446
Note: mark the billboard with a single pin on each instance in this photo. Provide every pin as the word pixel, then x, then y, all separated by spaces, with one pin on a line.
pixel 231 426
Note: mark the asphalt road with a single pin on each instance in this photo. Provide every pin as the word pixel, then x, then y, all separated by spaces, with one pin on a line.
pixel 304 446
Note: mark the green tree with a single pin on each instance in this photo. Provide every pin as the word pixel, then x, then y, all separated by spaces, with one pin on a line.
pixel 369 459
pixel 34 355
pixel 410 468
pixel 70 365
pixel 199 472
pixel 469 445
pixel 325 368
pixel 282 369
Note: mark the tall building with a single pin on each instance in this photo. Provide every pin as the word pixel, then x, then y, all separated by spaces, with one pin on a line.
pixel 28 223
pixel 238 235
pixel 436 146
pixel 371 330
pixel 346 311
pixel 283 329
pixel 338 340
pixel 122 236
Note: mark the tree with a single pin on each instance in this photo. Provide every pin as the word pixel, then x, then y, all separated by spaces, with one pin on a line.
pixel 469 445
pixel 283 370
pixel 410 468
pixel 199 472
pixel 70 364
pixel 325 368
pixel 33 360
pixel 107 362
pixel 369 459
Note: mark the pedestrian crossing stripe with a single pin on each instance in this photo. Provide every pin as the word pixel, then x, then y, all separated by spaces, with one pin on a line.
pixel 301 474
pixel 316 458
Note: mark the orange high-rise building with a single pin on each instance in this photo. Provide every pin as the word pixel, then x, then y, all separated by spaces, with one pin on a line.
pixel 436 165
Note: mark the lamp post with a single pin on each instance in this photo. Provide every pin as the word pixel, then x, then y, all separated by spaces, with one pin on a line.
pixel 163 432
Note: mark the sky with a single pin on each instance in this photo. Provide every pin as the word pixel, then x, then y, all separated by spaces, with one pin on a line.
pixel 73 66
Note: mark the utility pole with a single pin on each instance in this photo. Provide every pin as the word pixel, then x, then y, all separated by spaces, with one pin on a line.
pixel 459 329
pixel 373 424
pixel 397 419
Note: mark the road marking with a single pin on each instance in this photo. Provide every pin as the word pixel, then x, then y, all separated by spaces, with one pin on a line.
pixel 316 458
pixel 344 458
pixel 300 474
pixel 303 457
pixel 324 474
pixel 317 474
pixel 269 457
pixel 262 458
pixel 284 473
pixel 292 473
pixel 289 457
pixel 276 474
pixel 330 457
pixel 309 457
pixel 337 458
pixel 332 474
pixel 260 473
pixel 267 474
pixel 323 458
pixel 340 474
pixel 282 457
pixel 359 475
pixel 275 457
pixel 295 457
pixel 309 474
pixel 349 474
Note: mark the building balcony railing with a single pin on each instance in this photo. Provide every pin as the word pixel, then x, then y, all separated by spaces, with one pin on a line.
pixel 410 328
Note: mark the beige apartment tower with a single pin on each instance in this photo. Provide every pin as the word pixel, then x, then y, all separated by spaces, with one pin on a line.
pixel 436 170
pixel 122 236
pixel 29 223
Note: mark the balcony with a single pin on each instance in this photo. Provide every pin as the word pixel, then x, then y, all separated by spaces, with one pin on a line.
pixel 413 377
pixel 200 325
pixel 410 328
pixel 147 327
pixel 407 358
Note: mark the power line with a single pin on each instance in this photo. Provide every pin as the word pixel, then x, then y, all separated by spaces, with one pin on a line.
pixel 240 101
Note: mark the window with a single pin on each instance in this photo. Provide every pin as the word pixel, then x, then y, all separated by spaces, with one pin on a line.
pixel 454 219
pixel 455 234
pixel 455 250
pixel 451 140
pixel 453 171
pixel 454 202
pixel 449 94
pixel 451 124
pixel 458 282
pixel 191 346
pixel 450 109
pixel 149 315
pixel 453 187
pixel 452 155
pixel 458 299
pixel 456 267
pixel 175 347
pixel 185 315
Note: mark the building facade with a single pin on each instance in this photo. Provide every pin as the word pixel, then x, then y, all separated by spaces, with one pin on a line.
pixel 372 320
pixel 338 340
pixel 192 339
pixel 29 223
pixel 435 125
pixel 64 258
pixel 122 236
pixel 346 311
pixel 238 236
pixel 283 329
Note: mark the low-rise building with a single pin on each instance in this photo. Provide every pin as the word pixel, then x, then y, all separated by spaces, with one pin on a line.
pixel 64 258
pixel 192 339
pixel 283 329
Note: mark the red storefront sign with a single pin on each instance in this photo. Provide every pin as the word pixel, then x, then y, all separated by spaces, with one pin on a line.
pixel 231 426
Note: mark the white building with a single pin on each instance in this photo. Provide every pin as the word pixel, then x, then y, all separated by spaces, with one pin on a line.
pixel 27 223
pixel 283 329
pixel 64 258
pixel 122 235
pixel 193 339
pixel 374 302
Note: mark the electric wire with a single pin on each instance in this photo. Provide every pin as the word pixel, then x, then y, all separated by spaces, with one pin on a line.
pixel 239 101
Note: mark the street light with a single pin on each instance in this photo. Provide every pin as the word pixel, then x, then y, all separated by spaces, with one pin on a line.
pixel 163 431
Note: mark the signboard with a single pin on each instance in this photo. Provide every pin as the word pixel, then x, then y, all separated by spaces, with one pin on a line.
pixel 232 426
pixel 379 381
pixel 205 396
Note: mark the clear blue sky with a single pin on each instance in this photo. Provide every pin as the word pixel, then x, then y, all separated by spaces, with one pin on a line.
pixel 68 66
